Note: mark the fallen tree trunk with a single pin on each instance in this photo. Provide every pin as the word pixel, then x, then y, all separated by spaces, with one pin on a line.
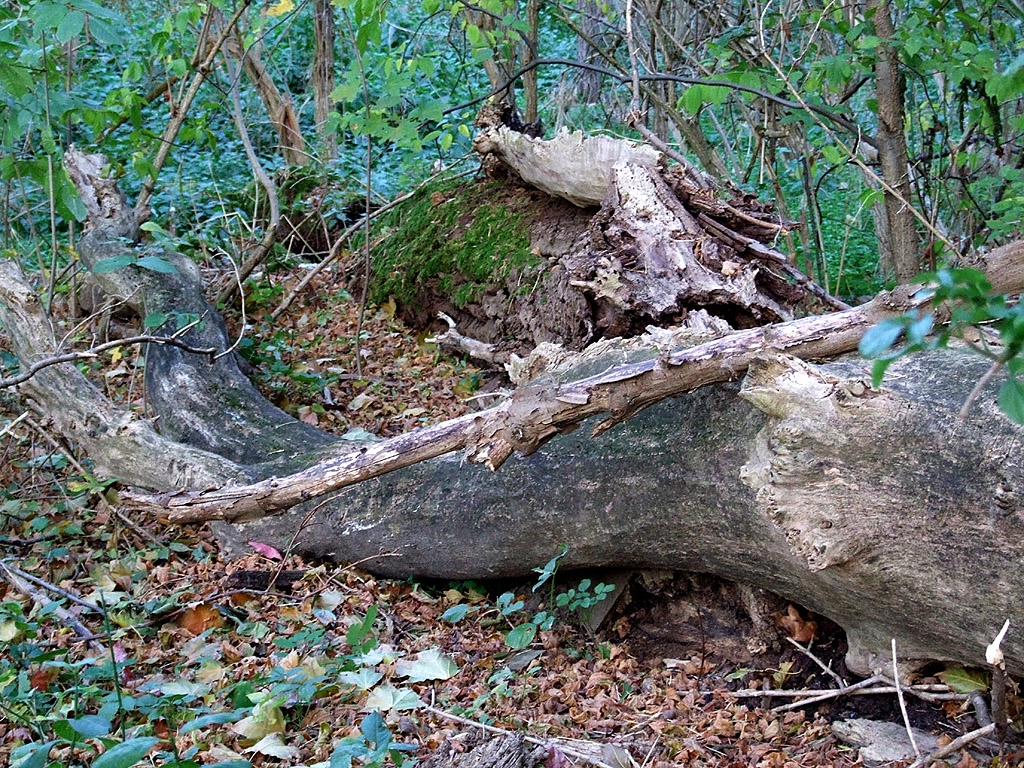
pixel 881 510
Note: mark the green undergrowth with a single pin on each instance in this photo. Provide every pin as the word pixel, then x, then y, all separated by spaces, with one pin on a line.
pixel 455 239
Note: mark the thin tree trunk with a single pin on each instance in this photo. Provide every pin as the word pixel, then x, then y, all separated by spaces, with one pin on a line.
pixel 530 78
pixel 903 250
pixel 323 75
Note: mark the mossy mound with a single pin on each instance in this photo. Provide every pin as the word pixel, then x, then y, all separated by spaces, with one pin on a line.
pixel 453 240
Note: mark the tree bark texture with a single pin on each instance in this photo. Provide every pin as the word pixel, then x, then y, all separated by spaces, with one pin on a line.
pixel 902 242
pixel 323 75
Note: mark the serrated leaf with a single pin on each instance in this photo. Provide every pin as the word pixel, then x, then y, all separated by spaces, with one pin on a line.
pixel 69 26
pixel 521 636
pixel 387 697
pixel 879 339
pixel 430 664
pixel 965 680
pixel 1011 400
pixel 157 264
pixel 274 746
pixel 126 754
pixel 91 726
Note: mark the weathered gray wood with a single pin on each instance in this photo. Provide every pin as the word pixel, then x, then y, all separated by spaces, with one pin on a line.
pixel 882 510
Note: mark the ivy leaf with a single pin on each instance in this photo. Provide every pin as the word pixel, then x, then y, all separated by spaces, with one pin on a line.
pixel 126 754
pixel 1011 400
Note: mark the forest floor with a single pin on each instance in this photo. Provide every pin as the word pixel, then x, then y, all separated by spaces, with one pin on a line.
pixel 278 661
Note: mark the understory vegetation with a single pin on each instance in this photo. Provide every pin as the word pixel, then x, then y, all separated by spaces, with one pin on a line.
pixel 126 642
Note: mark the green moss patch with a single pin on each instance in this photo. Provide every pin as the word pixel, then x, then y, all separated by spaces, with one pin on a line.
pixel 453 240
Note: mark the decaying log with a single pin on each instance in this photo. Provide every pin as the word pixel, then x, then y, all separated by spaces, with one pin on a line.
pixel 881 509
pixel 659 247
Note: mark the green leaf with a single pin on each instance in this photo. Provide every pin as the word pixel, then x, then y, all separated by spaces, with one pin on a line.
pixel 965 680
pixel 879 339
pixel 111 263
pixel 457 613
pixel 347 750
pixel 36 755
pixel 48 15
pixel 832 155
pixel 108 35
pixel 69 26
pixel 205 720
pixel 1011 400
pixel 155 319
pixel 91 726
pixel 375 730
pixel 693 99
pixel 157 264
pixel 878 371
pixel 521 636
pixel 549 568
pixel 15 79
pixel 126 754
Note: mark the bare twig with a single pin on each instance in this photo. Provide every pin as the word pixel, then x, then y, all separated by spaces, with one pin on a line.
pixel 903 703
pixel 825 668
pixel 820 696
pixel 953 746
pixel 70 596
pixel 994 656
pixel 985 379
pixel 15 578
pixel 69 357
pixel 504 732
pixel 180 109
pixel 267 241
